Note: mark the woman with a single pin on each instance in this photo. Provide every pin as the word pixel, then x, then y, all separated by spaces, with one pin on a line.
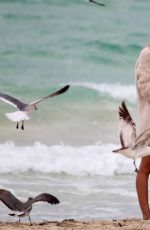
pixel 142 73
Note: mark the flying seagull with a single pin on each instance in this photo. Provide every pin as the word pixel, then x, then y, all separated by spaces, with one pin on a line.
pixel 98 3
pixel 21 209
pixel 131 145
pixel 23 108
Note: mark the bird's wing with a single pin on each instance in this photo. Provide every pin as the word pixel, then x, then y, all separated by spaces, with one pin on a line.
pixel 9 200
pixel 143 138
pixel 127 128
pixel 62 90
pixel 10 100
pixel 44 197
pixel 98 3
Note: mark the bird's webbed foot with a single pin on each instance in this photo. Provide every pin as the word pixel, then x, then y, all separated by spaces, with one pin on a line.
pixel 136 170
pixel 35 107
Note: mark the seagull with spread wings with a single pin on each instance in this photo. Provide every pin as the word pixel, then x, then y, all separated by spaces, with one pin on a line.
pixel 23 108
pixel 131 145
pixel 21 209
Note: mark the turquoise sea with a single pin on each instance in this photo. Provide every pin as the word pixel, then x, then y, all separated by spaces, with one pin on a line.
pixel 66 147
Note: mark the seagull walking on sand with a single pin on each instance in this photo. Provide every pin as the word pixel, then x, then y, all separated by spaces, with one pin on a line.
pixel 132 146
pixel 21 209
pixel 23 108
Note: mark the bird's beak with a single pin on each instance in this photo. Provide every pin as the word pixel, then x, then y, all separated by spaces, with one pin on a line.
pixel 118 150
pixel 115 151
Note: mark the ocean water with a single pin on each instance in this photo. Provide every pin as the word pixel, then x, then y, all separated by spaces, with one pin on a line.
pixel 66 147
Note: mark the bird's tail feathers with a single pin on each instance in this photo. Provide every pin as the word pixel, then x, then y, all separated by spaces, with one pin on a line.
pixel 17 116
pixel 11 214
pixel 17 213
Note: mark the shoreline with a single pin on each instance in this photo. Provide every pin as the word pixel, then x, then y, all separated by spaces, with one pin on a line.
pixel 126 224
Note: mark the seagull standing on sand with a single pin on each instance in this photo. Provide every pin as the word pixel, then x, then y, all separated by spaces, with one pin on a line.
pixel 25 109
pixel 21 209
pixel 132 146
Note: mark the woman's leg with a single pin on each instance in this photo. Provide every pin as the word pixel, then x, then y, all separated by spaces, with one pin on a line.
pixel 142 186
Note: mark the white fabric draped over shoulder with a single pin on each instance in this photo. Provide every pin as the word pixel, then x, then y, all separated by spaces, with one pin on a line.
pixel 142 75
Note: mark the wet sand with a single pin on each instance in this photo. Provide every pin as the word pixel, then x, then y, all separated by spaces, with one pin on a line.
pixel 127 224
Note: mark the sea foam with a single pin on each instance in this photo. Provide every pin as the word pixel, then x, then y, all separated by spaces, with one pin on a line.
pixel 113 90
pixel 72 160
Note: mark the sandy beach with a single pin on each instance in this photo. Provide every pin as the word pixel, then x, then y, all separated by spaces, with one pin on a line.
pixel 127 224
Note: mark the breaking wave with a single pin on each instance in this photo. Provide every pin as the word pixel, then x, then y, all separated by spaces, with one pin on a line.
pixel 115 91
pixel 93 160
